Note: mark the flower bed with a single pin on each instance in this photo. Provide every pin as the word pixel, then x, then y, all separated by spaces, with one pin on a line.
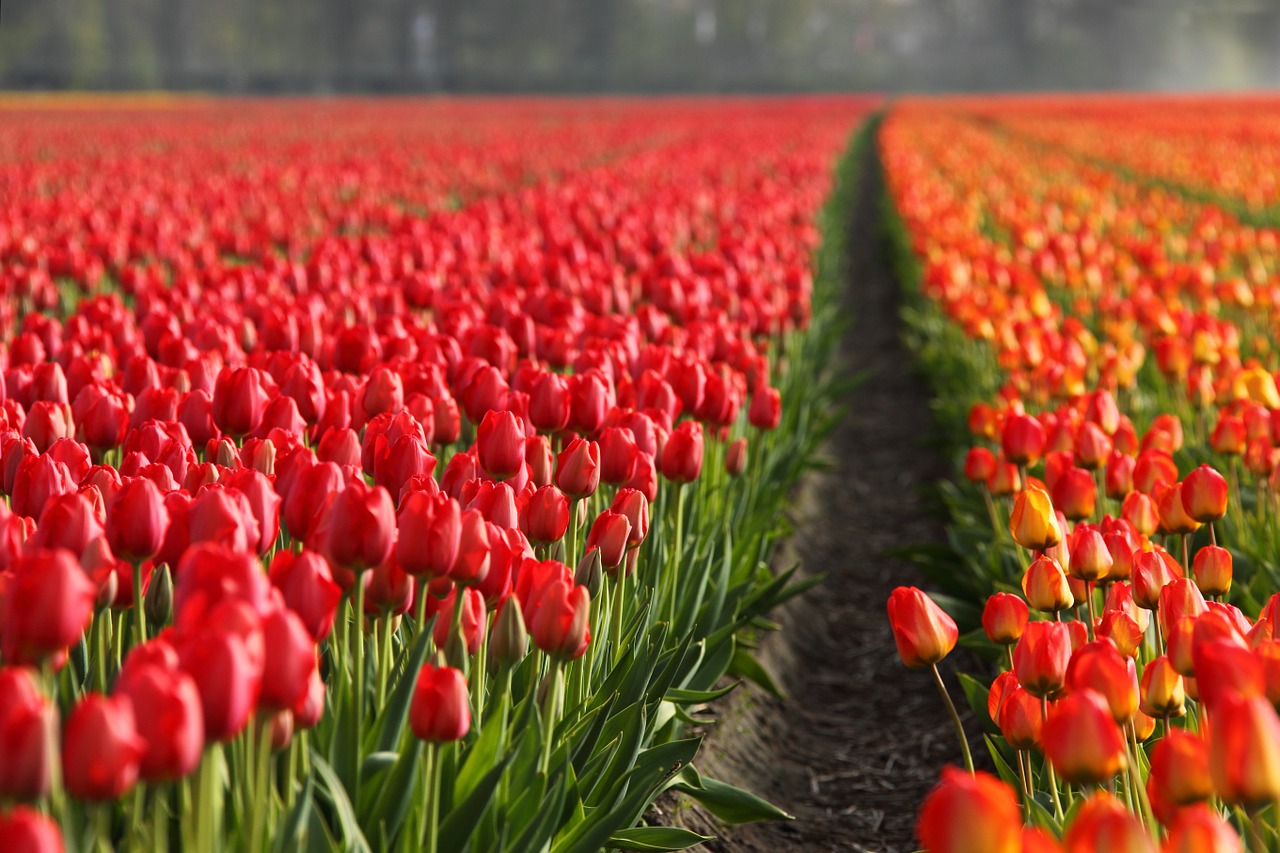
pixel 394 476
pixel 1103 357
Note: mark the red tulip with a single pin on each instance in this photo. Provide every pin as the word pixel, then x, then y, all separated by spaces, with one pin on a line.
pixel 290 660
pixel 27 721
pixel 1199 829
pixel 1102 823
pixel 766 408
pixel 1022 439
pixel 609 533
pixel 681 459
pixel 1244 751
pixel 500 443
pixel 101 748
pixel 357 529
pixel 166 709
pixel 224 656
pixel 25 830
pixel 1081 739
pixel 440 711
pixel 46 606
pixel 1204 494
pixel 239 400
pixel 137 520
pixel 473 619
pixel 1041 657
pixel 578 469
pixel 545 516
pixel 1004 617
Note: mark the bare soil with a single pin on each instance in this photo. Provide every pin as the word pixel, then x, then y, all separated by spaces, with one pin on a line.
pixel 860 739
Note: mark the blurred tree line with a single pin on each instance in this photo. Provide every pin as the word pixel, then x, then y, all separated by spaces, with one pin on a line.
pixel 636 45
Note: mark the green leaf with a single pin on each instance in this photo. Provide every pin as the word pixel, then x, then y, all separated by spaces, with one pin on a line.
pixel 745 664
pixel 290 837
pixel 332 788
pixel 730 804
pixel 390 725
pixel 396 791
pixel 656 838
pixel 697 697
pixel 483 754
pixel 976 693
pixel 456 829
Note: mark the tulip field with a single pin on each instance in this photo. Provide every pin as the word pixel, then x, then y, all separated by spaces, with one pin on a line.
pixel 396 475
pixel 1095 303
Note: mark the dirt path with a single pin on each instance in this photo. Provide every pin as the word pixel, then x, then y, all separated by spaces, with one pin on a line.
pixel 861 738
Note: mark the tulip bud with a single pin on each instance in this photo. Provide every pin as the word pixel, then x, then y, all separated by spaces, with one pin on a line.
pixel 158 601
pixel 545 516
pixel 590 573
pixel 635 506
pixel 970 814
pixel 440 711
pixel 1041 657
pixel 1152 571
pixel 1032 523
pixel 509 639
pixel 578 469
pixel 101 749
pixel 923 632
pixel 1004 617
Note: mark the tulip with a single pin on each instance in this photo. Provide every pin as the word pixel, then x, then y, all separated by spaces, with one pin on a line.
pixel 1225 670
pixel 1180 769
pixel 923 632
pixel 681 458
pixel 1122 630
pixel 290 660
pixel 27 722
pixel 979 465
pixel 224 656
pixel 25 830
pixel 966 813
pixel 46 606
pixel 429 534
pixel 472 620
pixel 1004 617
pixel 1090 559
pixel 1173 516
pixel 472 563
pixel 1204 494
pixel 609 533
pixel 1082 740
pixel 635 506
pixel 101 748
pixel 545 516
pixel 1032 522
pixel 357 530
pixel 166 710
pixel 239 399
pixel 439 712
pixel 1102 823
pixel 1244 751
pixel 1022 439
pixel 500 442
pixel 1162 690
pixel 618 453
pixel 1041 656
pixel 1045 586
pixel 1075 494
pixel 137 520
pixel 578 469
pixel 1020 718
pixel 549 403
pixel 1098 666
pixel 1152 572
pixel 1212 570
pixel 1140 510
pixel 735 457
pixel 1199 829
pixel 1117 479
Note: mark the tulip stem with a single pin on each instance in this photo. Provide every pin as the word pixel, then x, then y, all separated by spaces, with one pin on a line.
pixel 1256 844
pixel 358 639
pixel 1048 766
pixel 551 711
pixel 384 660
pixel 1139 790
pixel 955 717
pixel 1088 597
pixel 139 617
pixel 431 773
pixel 615 614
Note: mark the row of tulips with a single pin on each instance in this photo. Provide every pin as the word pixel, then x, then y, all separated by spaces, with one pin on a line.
pixel 1112 547
pixel 426 530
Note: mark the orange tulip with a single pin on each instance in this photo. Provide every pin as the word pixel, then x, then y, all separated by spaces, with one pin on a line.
pixel 923 632
pixel 1041 657
pixel 970 814
pixel 1163 691
pixel 1082 741
pixel 1102 823
pixel 1033 524
pixel 1199 829
pixel 1244 751
pixel 1204 494
pixel 1180 769
pixel 1212 570
pixel 1046 587
pixel 1004 617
